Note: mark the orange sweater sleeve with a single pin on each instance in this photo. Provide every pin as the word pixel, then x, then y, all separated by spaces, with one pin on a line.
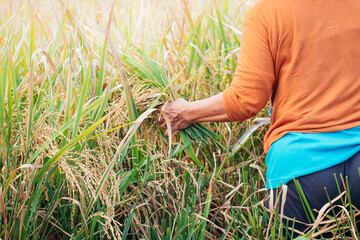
pixel 254 76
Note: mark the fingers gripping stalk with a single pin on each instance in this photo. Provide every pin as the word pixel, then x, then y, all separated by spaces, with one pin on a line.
pixel 176 113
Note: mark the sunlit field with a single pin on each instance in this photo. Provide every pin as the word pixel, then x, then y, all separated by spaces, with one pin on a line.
pixel 81 154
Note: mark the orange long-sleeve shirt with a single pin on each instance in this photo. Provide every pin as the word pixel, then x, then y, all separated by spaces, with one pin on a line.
pixel 305 56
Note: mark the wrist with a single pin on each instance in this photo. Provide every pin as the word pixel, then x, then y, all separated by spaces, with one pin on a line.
pixel 206 110
pixel 192 112
pixel 186 112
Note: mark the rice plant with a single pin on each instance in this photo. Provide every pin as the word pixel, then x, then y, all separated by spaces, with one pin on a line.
pixel 81 155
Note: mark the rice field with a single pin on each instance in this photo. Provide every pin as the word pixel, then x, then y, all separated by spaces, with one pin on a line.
pixel 81 154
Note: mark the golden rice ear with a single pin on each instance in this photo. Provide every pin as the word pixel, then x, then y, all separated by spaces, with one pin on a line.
pixel 2 205
pixel 2 41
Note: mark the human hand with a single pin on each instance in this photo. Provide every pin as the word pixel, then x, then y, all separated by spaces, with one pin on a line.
pixel 181 113
pixel 176 113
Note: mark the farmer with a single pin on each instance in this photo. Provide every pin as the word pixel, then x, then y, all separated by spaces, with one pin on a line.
pixel 305 57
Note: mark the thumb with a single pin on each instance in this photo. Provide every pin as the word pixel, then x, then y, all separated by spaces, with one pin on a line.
pixel 161 107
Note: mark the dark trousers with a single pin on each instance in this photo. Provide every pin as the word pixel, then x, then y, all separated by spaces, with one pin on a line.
pixel 318 188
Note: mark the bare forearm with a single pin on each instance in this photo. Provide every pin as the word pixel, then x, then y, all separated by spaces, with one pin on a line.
pixel 207 110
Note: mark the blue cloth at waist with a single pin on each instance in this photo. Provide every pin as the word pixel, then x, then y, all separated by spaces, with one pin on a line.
pixel 298 154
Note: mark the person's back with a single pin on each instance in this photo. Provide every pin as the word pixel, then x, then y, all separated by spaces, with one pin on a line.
pixel 316 50
pixel 314 53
